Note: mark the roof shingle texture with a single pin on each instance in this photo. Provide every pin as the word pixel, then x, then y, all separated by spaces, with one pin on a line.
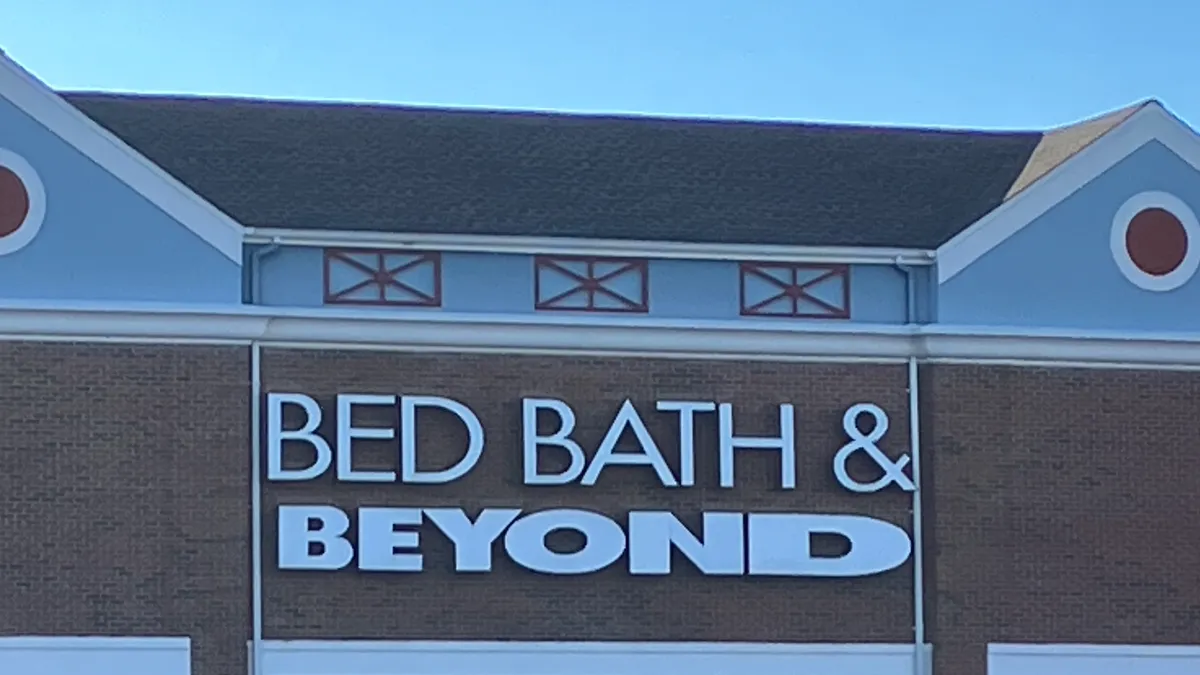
pixel 422 170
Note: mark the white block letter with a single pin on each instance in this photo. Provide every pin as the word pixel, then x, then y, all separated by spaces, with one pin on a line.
pixel 606 454
pixel 780 545
pixel 687 434
pixel 718 551
pixel 408 442
pixel 785 444
pixel 276 435
pixel 472 541
pixel 347 432
pixel 295 538
pixel 531 441
pixel 525 542
pixel 378 540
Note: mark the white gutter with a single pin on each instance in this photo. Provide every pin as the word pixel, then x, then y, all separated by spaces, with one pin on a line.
pixel 463 243
pixel 763 340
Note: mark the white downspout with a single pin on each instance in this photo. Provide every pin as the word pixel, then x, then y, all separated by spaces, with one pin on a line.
pixel 256 509
pixel 920 667
pixel 255 269
pixel 914 426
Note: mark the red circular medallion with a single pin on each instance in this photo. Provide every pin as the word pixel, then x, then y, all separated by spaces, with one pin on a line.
pixel 1157 241
pixel 14 202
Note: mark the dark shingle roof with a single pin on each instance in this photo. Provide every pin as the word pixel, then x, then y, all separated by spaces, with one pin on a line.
pixel 405 169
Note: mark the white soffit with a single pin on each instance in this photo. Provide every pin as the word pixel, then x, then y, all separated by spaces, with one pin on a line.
pixel 1151 123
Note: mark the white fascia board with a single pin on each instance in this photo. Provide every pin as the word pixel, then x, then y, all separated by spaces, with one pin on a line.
pixel 455 332
pixel 566 246
pixel 532 334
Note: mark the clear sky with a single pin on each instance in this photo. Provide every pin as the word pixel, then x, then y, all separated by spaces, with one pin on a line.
pixel 975 63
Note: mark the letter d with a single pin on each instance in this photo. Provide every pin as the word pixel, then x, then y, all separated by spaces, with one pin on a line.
pixel 780 545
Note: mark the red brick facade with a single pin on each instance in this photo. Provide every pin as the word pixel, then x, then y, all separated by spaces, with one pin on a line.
pixel 1057 502
pixel 1062 506
pixel 123 485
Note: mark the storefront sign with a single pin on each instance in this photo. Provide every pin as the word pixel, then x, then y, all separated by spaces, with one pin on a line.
pixel 313 537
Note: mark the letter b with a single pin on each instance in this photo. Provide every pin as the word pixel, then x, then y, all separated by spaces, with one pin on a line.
pixel 276 435
pixel 296 538
pixel 532 442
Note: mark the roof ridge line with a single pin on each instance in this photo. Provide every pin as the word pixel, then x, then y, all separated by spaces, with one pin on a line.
pixel 1060 144
pixel 536 112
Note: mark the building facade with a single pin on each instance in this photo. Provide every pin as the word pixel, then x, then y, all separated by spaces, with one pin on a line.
pixel 298 389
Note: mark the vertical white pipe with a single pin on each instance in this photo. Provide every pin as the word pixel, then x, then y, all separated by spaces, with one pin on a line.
pixel 255 268
pixel 920 667
pixel 256 508
pixel 914 432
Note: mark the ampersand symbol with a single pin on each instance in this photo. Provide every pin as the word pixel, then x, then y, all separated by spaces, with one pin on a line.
pixel 893 471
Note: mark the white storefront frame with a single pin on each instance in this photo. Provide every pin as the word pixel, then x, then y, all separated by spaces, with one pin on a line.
pixel 1090 659
pixel 377 657
pixel 95 655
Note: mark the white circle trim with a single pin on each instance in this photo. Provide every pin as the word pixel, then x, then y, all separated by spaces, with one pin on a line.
pixel 1120 225
pixel 36 193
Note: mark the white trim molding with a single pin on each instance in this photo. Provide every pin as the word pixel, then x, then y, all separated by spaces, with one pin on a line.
pixel 1152 122
pixel 1074 649
pixel 321 657
pixel 1092 659
pixel 566 246
pixel 95 642
pixel 35 192
pixel 759 340
pixel 70 655
pixel 95 142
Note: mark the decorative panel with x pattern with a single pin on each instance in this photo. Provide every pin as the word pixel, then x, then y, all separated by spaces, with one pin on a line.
pixel 591 284
pixel 392 278
pixel 795 290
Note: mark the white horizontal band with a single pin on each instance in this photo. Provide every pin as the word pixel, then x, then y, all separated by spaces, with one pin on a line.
pixel 859 255
pixel 740 339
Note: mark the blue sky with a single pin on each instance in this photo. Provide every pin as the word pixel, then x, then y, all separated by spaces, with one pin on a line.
pixel 973 63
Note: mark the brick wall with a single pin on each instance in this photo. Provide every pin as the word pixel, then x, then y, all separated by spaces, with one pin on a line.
pixel 511 603
pixel 1060 503
pixel 124 484
pixel 1064 508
